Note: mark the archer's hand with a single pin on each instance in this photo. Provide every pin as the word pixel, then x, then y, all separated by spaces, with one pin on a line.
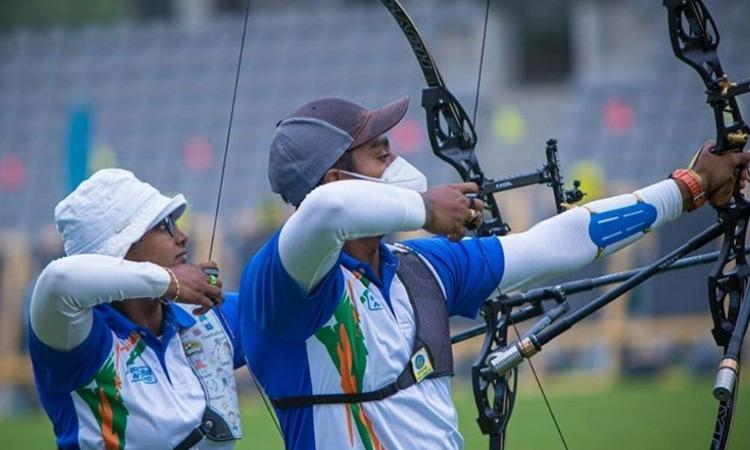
pixel 450 211
pixel 195 288
pixel 719 172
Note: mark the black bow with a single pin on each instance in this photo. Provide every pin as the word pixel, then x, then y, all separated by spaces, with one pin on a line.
pixel 453 139
pixel 695 40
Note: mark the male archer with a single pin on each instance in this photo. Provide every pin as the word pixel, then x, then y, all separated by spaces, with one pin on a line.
pixel 349 336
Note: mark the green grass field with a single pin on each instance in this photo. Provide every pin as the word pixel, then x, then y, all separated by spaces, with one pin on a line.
pixel 639 415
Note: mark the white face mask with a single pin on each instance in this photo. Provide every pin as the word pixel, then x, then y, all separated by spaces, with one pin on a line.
pixel 398 173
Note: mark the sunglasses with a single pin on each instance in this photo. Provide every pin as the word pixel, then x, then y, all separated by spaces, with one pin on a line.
pixel 168 224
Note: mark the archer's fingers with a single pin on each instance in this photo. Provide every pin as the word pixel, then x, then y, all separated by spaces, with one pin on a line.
pixel 467 188
pixel 216 302
pixel 744 174
pixel 741 158
pixel 208 265
pixel 204 305
pixel 476 221
pixel 213 292
pixel 200 311
pixel 214 281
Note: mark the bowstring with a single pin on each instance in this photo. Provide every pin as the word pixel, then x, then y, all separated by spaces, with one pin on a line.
pixel 481 63
pixel 484 256
pixel 218 204
pixel 541 389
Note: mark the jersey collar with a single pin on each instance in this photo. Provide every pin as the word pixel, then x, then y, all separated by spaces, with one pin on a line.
pixel 175 318
pixel 388 268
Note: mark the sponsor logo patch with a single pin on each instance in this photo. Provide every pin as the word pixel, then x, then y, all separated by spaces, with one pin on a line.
pixel 372 303
pixel 141 373
pixel 421 366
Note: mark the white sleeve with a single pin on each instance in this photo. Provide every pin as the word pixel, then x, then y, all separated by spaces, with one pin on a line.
pixel 69 287
pixel 573 239
pixel 311 240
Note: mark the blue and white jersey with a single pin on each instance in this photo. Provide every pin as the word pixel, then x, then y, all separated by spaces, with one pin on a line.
pixel 354 333
pixel 125 388
pixel 316 321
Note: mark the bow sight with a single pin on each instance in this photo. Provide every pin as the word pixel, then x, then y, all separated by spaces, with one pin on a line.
pixel 453 140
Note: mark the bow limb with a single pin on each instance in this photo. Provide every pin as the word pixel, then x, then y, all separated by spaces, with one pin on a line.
pixel 695 40
pixel 450 130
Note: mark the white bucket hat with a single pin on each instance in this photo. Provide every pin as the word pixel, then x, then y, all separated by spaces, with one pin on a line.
pixel 110 211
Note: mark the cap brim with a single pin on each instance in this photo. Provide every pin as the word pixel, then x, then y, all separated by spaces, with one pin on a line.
pixel 381 120
pixel 119 243
pixel 175 207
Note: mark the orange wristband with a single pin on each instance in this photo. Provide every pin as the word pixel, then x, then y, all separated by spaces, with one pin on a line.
pixel 693 181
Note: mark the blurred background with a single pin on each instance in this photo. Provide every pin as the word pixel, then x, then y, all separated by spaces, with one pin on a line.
pixel 146 85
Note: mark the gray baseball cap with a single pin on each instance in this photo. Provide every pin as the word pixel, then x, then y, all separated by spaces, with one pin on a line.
pixel 313 137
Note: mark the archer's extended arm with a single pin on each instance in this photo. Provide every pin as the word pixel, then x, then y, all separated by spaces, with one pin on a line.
pixel 575 238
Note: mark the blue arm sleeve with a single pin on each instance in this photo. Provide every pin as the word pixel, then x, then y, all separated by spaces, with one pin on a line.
pixel 63 372
pixel 276 304
pixel 470 269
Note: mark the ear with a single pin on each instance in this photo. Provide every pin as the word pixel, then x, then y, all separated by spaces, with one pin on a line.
pixel 332 175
